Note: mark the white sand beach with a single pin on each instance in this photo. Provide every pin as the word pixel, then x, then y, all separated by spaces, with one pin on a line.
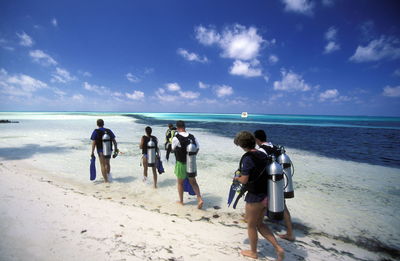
pixel 49 210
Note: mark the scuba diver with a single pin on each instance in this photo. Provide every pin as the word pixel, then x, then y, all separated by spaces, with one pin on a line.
pixel 185 147
pixel 270 149
pixel 254 177
pixel 102 140
pixel 168 139
pixel 149 147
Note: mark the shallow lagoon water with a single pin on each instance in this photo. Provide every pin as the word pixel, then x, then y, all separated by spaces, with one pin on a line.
pixel 337 198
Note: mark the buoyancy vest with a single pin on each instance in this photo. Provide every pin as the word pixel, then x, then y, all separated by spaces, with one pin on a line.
pixel 180 152
pixel 99 137
pixel 146 139
pixel 258 178
pixel 271 151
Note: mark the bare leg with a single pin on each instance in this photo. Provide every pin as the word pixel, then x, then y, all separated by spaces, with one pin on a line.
pixel 196 190
pixel 267 234
pixel 252 215
pixel 180 190
pixel 154 177
pixel 145 166
pixel 288 223
pixel 103 167
pixel 108 166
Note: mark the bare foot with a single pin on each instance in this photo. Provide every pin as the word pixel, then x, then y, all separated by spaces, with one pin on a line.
pixel 200 204
pixel 281 255
pixel 249 253
pixel 180 203
pixel 287 237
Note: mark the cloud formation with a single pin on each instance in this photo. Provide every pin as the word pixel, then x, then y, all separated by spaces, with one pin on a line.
pixel 19 84
pixel 25 40
pixel 393 92
pixel 203 85
pixel 273 59
pixel 173 87
pixel 132 78
pixel 54 22
pixel 136 95
pixel 291 82
pixel 329 94
pixel 223 90
pixel 246 69
pixel 192 57
pixel 384 48
pixel 42 58
pixel 299 6
pixel 236 42
pixel 331 37
pixel 62 76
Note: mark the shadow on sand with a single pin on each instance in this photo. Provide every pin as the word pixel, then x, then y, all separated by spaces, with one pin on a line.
pixel 29 150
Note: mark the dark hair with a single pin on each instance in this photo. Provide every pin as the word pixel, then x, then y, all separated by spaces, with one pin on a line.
pixel 180 124
pixel 170 125
pixel 100 123
pixel 148 130
pixel 245 140
pixel 260 134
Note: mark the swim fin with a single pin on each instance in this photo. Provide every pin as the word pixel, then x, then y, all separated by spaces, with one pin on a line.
pixel 232 192
pixel 187 187
pixel 93 168
pixel 159 166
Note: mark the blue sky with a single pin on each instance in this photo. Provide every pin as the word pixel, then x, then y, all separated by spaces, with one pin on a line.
pixel 334 57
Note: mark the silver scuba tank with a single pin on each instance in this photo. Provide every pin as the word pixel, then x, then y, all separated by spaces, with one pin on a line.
pixel 151 153
pixel 275 190
pixel 287 164
pixel 106 144
pixel 191 167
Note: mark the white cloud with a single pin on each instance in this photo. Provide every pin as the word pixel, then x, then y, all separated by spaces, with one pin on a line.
pixel 207 36
pixel 4 45
pixel 163 97
pixel 19 84
pixel 42 58
pixel 246 69
pixel 54 22
pixel 132 78
pixel 136 95
pixel 203 85
pixel 291 82
pixel 331 34
pixel 193 57
pixel 241 43
pixel 329 94
pixel 62 76
pixel 299 6
pixel 331 37
pixel 223 90
pixel 101 90
pixel 173 87
pixel 384 48
pixel 331 47
pixel 25 40
pixel 189 95
pixel 78 97
pixel 237 42
pixel 273 59
pixel 391 91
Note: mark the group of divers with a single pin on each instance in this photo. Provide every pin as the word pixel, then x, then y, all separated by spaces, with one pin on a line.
pixel 264 175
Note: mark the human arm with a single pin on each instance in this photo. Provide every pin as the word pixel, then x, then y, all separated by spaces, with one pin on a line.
pixel 141 143
pixel 93 146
